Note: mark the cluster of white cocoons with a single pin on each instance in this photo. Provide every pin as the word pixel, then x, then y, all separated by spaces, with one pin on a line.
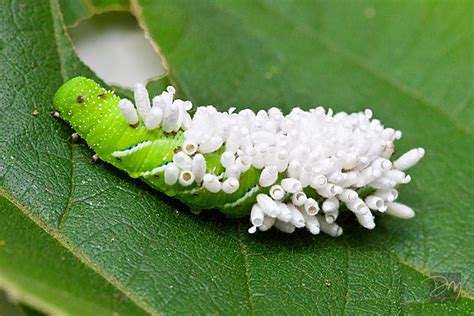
pixel 335 155
pixel 163 112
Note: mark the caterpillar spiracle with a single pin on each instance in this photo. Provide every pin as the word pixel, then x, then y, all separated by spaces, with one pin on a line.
pixel 285 171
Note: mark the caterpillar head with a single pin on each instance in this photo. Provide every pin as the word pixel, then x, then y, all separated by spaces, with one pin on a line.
pixel 80 101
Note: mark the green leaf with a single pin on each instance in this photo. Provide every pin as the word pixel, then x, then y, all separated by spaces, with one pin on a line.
pixel 39 271
pixel 75 11
pixel 348 55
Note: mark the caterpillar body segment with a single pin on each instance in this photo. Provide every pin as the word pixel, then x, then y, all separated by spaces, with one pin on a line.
pixel 285 171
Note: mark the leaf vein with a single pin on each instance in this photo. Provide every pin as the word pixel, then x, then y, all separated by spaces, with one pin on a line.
pixel 244 253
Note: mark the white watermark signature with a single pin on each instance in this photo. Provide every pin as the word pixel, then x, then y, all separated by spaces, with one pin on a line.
pixel 446 286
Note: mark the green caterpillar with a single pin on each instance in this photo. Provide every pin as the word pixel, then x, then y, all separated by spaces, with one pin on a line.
pixel 279 169
pixel 93 113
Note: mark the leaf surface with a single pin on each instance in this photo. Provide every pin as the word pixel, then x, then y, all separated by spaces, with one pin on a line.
pixel 39 271
pixel 256 54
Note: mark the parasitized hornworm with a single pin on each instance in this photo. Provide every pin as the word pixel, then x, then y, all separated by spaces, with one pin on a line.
pixel 288 171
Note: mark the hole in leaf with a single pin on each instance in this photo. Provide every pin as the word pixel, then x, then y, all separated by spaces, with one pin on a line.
pixel 116 49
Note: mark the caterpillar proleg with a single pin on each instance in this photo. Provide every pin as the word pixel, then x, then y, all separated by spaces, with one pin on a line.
pixel 284 171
